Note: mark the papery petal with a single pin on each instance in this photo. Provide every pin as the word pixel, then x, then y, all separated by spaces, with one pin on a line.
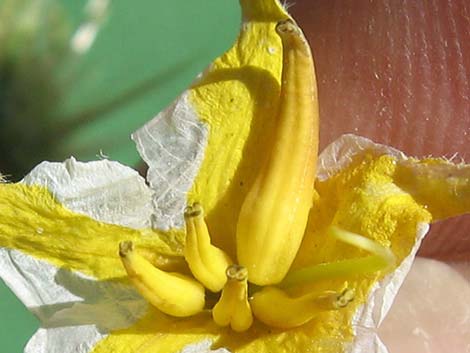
pixel 73 307
pixel 52 241
pixel 422 179
pixel 104 190
pixel 202 347
pixel 75 310
pixel 370 315
pixel 443 187
pixel 377 191
pixel 358 192
pixel 172 144
pixel 238 98
pixel 35 223
pixel 157 332
pixel 340 154
pixel 59 297
pixel 75 339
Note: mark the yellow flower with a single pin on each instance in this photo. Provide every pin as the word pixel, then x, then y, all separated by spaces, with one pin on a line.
pixel 60 228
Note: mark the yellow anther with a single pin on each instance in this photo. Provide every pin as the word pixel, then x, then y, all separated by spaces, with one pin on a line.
pixel 237 272
pixel 172 293
pixel 233 308
pixel 275 308
pixel 207 262
pixel 274 214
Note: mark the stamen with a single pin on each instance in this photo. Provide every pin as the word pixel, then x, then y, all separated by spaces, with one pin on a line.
pixel 382 259
pixel 233 308
pixel 275 308
pixel 171 293
pixel 207 262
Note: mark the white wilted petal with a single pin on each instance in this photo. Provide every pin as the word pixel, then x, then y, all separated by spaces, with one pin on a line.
pixel 104 190
pixel 75 311
pixel 370 315
pixel 339 154
pixel 60 297
pixel 172 144
pixel 202 347
pixel 74 339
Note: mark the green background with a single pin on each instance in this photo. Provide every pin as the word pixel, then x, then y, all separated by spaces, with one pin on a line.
pixel 146 53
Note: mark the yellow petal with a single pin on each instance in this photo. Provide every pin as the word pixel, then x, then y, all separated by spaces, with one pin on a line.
pixel 33 222
pixel 238 97
pixel 443 187
pixel 362 198
pixel 159 333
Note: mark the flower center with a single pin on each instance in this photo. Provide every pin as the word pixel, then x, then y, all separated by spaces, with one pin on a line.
pixel 270 227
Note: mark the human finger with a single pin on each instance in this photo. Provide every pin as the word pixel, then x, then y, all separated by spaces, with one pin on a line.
pixel 397 72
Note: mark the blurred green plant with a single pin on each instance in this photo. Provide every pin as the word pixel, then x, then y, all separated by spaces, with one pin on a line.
pixel 34 39
pixel 77 77
pixel 64 92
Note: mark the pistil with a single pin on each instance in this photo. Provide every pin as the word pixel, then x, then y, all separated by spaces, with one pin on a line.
pixel 381 259
pixel 274 215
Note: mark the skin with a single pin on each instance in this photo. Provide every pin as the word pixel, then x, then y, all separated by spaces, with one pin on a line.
pixel 432 323
pixel 398 72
